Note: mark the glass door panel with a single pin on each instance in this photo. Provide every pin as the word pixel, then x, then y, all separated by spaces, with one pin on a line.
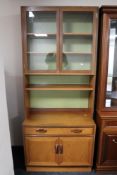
pixel 111 86
pixel 42 40
pixel 77 41
pixel 76 22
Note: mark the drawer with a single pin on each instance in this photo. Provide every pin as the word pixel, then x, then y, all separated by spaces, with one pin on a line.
pixel 58 131
pixel 110 123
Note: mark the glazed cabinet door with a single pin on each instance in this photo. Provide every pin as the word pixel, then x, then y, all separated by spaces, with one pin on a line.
pixel 40 30
pixel 41 151
pixel 78 40
pixel 77 151
pixel 109 152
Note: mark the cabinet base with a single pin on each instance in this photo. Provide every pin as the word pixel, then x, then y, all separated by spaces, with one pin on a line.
pixel 58 169
pixel 106 168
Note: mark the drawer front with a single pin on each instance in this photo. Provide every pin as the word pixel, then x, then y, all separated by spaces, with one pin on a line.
pixel 58 131
pixel 110 123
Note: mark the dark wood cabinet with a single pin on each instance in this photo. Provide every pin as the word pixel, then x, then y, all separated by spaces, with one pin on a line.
pixel 106 108
pixel 109 150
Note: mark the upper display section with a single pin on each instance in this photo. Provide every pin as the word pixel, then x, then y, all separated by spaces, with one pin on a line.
pixel 111 86
pixel 59 40
pixel 107 77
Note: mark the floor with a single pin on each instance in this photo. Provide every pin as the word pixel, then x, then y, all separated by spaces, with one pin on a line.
pixel 23 172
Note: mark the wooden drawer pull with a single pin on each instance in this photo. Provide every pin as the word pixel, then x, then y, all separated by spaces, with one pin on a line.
pixel 115 141
pixel 41 130
pixel 76 130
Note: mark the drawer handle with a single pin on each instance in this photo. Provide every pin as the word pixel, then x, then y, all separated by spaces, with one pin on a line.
pixel 115 141
pixel 42 130
pixel 76 130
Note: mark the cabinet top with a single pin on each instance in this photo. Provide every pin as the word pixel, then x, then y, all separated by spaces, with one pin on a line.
pixel 108 9
pixel 58 119
pixel 64 8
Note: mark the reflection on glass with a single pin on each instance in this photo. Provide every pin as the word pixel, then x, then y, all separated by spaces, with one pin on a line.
pixel 42 61
pixel 111 88
pixel 76 62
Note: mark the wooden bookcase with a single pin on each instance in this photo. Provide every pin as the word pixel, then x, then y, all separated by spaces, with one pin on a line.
pixel 59 61
pixel 106 110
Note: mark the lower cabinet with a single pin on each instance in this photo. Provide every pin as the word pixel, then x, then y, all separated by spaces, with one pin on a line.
pixel 109 150
pixel 107 144
pixel 59 151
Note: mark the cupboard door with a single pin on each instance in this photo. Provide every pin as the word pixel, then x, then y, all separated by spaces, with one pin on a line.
pixel 77 32
pixel 76 151
pixel 41 48
pixel 109 151
pixel 40 151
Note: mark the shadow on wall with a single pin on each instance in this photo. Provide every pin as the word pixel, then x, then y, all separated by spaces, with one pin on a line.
pixel 14 92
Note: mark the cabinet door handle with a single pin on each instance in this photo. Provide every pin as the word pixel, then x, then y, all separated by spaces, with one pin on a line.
pixel 57 148
pixel 115 141
pixel 60 149
pixel 41 130
pixel 76 130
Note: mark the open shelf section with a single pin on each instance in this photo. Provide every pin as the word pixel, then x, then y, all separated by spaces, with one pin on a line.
pixel 60 87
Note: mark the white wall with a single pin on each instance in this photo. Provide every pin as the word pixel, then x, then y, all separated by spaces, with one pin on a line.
pixel 10 44
pixel 6 162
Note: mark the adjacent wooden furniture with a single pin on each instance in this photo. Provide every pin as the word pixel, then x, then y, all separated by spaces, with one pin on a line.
pixel 59 63
pixel 107 91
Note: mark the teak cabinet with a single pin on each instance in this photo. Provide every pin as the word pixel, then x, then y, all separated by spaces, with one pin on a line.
pixel 59 65
pixel 106 109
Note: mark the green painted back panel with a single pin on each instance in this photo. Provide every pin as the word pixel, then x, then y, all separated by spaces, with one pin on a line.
pixel 59 99
pixel 41 79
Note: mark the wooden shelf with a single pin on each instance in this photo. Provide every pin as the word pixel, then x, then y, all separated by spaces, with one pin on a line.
pixel 65 87
pixel 38 53
pixel 41 35
pixel 77 53
pixel 77 34
pixel 85 73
